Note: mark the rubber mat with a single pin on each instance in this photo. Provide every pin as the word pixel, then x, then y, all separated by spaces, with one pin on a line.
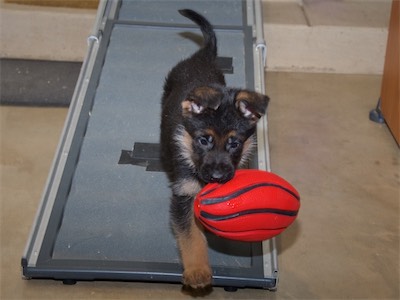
pixel 37 82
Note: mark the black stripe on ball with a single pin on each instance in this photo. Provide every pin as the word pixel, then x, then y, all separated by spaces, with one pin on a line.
pixel 216 200
pixel 211 217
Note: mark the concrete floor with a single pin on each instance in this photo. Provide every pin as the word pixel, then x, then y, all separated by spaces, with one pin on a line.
pixel 345 242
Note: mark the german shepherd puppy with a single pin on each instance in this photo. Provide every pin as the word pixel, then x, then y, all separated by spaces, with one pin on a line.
pixel 207 131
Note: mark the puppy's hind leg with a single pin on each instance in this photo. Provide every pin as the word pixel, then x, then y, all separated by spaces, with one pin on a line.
pixel 192 243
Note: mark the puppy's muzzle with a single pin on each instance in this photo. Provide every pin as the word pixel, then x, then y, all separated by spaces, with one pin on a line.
pixel 217 172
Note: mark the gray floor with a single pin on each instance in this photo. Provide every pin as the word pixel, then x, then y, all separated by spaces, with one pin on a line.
pixel 345 242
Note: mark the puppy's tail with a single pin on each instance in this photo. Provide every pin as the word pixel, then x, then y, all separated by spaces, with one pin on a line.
pixel 210 40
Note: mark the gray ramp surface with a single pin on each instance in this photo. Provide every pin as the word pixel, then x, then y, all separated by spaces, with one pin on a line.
pixel 120 212
pixel 218 12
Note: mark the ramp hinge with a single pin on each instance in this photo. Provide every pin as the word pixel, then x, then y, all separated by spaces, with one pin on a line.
pixel 94 38
pixel 263 48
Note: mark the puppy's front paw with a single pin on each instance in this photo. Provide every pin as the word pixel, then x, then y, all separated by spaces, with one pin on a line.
pixel 197 277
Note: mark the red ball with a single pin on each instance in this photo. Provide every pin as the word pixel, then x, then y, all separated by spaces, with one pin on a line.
pixel 253 206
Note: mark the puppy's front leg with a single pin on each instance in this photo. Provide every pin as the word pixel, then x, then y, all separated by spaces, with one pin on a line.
pixel 193 246
pixel 192 243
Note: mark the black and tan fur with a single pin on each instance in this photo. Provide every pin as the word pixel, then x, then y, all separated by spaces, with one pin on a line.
pixel 207 132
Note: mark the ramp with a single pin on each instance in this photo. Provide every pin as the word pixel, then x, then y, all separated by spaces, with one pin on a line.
pixel 104 216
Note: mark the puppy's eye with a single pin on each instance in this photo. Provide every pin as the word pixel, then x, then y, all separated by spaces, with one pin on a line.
pixel 203 141
pixel 232 144
pixel 206 141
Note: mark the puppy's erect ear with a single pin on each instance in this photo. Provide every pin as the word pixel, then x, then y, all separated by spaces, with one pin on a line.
pixel 201 98
pixel 251 105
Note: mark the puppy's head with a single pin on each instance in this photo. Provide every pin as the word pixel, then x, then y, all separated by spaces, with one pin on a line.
pixel 218 129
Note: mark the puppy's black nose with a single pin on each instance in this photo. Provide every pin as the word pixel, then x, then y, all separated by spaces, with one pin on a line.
pixel 217 176
pixel 220 177
pixel 217 172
